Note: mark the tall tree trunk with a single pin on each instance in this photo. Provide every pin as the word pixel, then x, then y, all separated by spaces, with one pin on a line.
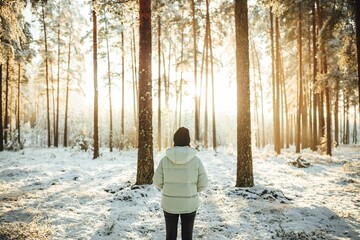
pixel 321 70
pixel 196 97
pixel 122 91
pixel 1 113
pixel 256 115
pixel 341 127
pixel 354 127
pixel 300 103
pixel 53 100
pixel 11 101
pixel 166 80
pixel 321 115
pixel 347 123
pixel 291 130
pixel 135 65
pixel 357 22
pixel 109 86
pixel 314 137
pixel 145 166
pixel 6 123
pixel 202 79
pixel 159 83
pixel 309 90
pixel 244 176
pixel 46 78
pixel 344 119
pixel 261 98
pixel 328 121
pixel 323 59
pixel 67 94
pixel 336 114
pixel 287 136
pixel 96 93
pixel 167 95
pixel 304 118
pixel 281 106
pixel 56 141
pixel 273 73
pixel 206 119
pixel 214 143
pixel 277 88
pixel 179 89
pixel 134 83
pixel 181 76
pixel 18 104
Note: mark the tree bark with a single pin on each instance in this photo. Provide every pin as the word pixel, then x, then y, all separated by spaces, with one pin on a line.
pixel 181 76
pixel 96 96
pixel 206 115
pixel 273 73
pixel 344 119
pixel 300 92
pixel 261 98
pixel 347 122
pixel 357 22
pixel 67 94
pixel 134 83
pixel 314 138
pixel 287 136
pixel 323 56
pixel 159 83
pixel 53 100
pixel 122 91
pixel 277 88
pixel 336 114
pixel 1 113
pixel 6 123
pixel 109 86
pixel 168 138
pixel 257 125
pixel 56 141
pixel 18 104
pixel 46 78
pixel 309 90
pixel 145 166
pixel 244 176
pixel 354 127
pixel 196 97
pixel 178 110
pixel 214 143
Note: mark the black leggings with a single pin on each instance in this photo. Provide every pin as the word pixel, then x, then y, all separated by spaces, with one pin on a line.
pixel 187 225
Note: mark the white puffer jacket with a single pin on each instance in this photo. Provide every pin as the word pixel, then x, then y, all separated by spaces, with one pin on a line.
pixel 180 175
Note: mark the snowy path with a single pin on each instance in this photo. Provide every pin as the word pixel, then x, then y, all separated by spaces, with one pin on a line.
pixel 80 198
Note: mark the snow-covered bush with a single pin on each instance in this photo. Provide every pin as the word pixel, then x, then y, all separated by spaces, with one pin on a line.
pixel 83 143
pixel 13 144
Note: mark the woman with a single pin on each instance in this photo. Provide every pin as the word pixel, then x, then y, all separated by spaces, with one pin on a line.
pixel 181 176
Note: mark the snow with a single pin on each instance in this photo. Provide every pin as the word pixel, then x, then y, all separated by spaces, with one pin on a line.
pixel 80 198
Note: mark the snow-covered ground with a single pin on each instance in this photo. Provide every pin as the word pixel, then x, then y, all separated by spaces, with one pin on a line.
pixel 76 197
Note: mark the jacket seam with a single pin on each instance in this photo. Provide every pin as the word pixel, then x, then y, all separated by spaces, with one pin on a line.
pixel 193 196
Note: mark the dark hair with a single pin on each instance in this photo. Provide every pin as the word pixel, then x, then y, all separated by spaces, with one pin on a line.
pixel 182 137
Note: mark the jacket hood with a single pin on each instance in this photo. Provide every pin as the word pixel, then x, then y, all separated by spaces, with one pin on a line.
pixel 180 155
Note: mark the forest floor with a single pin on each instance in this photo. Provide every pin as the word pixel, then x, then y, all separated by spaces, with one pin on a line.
pixel 64 194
